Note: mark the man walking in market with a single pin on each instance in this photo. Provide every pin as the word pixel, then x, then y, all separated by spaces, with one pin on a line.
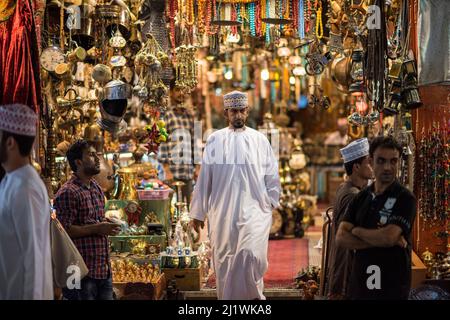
pixel 177 154
pixel 25 255
pixel 359 171
pixel 237 189
pixel 378 225
pixel 80 207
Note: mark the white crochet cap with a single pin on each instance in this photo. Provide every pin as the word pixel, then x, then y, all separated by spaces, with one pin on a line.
pixel 355 150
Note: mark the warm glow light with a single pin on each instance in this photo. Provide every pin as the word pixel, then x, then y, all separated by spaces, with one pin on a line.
pixel 292 80
pixel 284 52
pixel 361 105
pixel 265 74
pixel 299 71
pixel 295 60
pixel 229 74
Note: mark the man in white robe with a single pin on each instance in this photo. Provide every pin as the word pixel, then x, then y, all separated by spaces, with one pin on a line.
pixel 25 256
pixel 237 189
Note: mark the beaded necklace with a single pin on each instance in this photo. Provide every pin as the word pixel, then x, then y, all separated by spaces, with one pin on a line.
pixel 269 9
pixel 173 8
pixel 190 18
pixel 301 19
pixel 260 25
pixel 319 24
pixel 252 19
pixel 201 16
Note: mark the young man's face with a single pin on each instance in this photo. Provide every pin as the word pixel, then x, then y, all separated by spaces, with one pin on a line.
pixel 364 169
pixel 176 96
pixel 385 164
pixel 237 117
pixel 90 162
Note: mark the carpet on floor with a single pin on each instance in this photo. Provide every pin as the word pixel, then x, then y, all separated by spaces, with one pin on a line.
pixel 286 258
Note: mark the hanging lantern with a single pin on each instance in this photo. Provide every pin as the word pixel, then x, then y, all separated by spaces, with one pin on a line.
pixel 409 68
pixel 357 72
pixel 407 121
pixel 410 93
pixel 394 104
pixel 411 96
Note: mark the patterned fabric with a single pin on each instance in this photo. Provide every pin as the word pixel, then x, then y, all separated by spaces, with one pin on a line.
pixel 76 204
pixel 178 150
pixel 355 150
pixel 18 119
pixel 235 100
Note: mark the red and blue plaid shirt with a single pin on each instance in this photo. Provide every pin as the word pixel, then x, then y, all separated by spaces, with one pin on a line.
pixel 77 204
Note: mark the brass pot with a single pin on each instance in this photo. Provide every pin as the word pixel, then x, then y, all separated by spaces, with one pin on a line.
pixel 141 167
pixel 115 17
pixel 85 35
pixel 340 72
pixel 127 183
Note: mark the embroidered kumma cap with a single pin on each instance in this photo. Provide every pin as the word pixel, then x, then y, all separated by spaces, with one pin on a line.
pixel 18 119
pixel 235 100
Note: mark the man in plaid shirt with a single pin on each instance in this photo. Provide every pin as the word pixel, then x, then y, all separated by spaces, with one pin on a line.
pixel 177 154
pixel 80 207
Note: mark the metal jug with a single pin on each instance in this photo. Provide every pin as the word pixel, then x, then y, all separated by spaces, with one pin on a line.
pixel 127 182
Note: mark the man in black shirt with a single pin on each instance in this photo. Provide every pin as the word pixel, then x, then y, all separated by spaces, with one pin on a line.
pixel 377 225
pixel 358 170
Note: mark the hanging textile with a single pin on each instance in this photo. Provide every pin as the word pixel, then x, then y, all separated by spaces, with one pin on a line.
pixel 434 38
pixel 19 57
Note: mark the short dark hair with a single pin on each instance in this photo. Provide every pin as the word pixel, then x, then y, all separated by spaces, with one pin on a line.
pixel 384 142
pixel 75 152
pixel 349 165
pixel 25 143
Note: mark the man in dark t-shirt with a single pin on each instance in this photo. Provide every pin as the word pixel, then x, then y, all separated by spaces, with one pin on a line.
pixel 359 171
pixel 378 225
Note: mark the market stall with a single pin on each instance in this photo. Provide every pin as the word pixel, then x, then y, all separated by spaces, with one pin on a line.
pixel 318 75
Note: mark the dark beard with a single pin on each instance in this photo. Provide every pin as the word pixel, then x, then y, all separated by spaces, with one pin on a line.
pixel 92 171
pixel 238 124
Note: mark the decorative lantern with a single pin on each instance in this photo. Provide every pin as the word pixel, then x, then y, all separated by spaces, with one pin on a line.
pixel 357 72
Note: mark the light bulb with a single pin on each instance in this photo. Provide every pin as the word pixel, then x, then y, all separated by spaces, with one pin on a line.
pixel 295 60
pixel 265 74
pixel 229 74
pixel 292 80
pixel 284 52
pixel 299 71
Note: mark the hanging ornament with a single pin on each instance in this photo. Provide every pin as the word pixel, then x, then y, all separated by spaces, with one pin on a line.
pixel 150 60
pixel 186 68
pixel 157 134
